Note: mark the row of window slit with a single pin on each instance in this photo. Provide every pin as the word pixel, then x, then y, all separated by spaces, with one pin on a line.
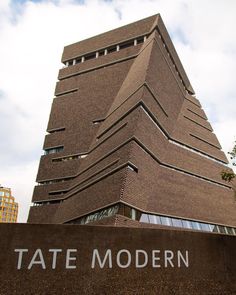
pixel 105 51
pixel 172 60
pixel 59 180
pixel 119 47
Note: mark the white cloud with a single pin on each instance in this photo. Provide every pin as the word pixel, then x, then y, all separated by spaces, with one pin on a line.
pixel 32 37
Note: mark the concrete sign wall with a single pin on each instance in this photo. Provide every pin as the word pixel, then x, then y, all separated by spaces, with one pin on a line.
pixel 73 259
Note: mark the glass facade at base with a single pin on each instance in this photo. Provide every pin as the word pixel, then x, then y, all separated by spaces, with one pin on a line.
pixel 98 215
pixel 187 224
pixel 137 215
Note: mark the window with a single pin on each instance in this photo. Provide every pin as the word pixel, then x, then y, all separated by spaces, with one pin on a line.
pixel 101 53
pixel 53 150
pixel 186 223
pixel 177 222
pixel 195 225
pixel 78 60
pixel 213 228
pixel 144 218
pixel 90 56
pixel 140 40
pixel 68 158
pixel 99 215
pixel 127 44
pixel 222 229
pixel 205 226
pixel 165 221
pixel 154 219
pixel 230 230
pixel 111 49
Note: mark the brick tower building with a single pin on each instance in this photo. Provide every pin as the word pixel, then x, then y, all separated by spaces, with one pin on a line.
pixel 128 142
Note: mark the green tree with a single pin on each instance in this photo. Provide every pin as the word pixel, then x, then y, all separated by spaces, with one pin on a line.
pixel 228 175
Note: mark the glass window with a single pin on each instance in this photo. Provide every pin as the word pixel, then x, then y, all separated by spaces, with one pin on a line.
pixel 230 230
pixel 186 224
pixel 111 49
pixel 152 218
pixel 165 221
pixel 100 214
pixel 140 40
pixel 53 150
pixel 90 56
pixel 112 210
pixel 1 194
pixel 205 227
pixel 195 225
pixel 144 218
pixel 158 219
pixel 155 219
pixel 101 53
pixel 222 229
pixel 177 222
pixel 126 44
pixel 214 228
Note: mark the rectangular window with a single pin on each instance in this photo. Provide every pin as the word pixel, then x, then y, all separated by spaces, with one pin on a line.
pixel 144 218
pixel 230 230
pixel 53 150
pixel 195 225
pixel 90 56
pixel 186 224
pixel 126 44
pixel 78 60
pixel 165 221
pixel 101 53
pixel 205 227
pixel 140 40
pixel 111 49
pixel 177 222
pixel 222 229
pixel 213 228
pixel 154 219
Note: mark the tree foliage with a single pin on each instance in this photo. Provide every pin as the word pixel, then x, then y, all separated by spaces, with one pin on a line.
pixel 233 155
pixel 228 175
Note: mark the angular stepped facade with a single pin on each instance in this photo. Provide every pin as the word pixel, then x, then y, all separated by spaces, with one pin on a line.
pixel 128 142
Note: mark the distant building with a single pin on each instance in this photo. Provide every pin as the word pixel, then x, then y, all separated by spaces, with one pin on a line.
pixel 8 206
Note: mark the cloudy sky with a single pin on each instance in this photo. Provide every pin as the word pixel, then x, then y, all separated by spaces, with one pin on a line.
pixel 33 34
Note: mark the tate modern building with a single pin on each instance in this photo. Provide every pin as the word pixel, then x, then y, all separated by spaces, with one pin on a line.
pixel 129 196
